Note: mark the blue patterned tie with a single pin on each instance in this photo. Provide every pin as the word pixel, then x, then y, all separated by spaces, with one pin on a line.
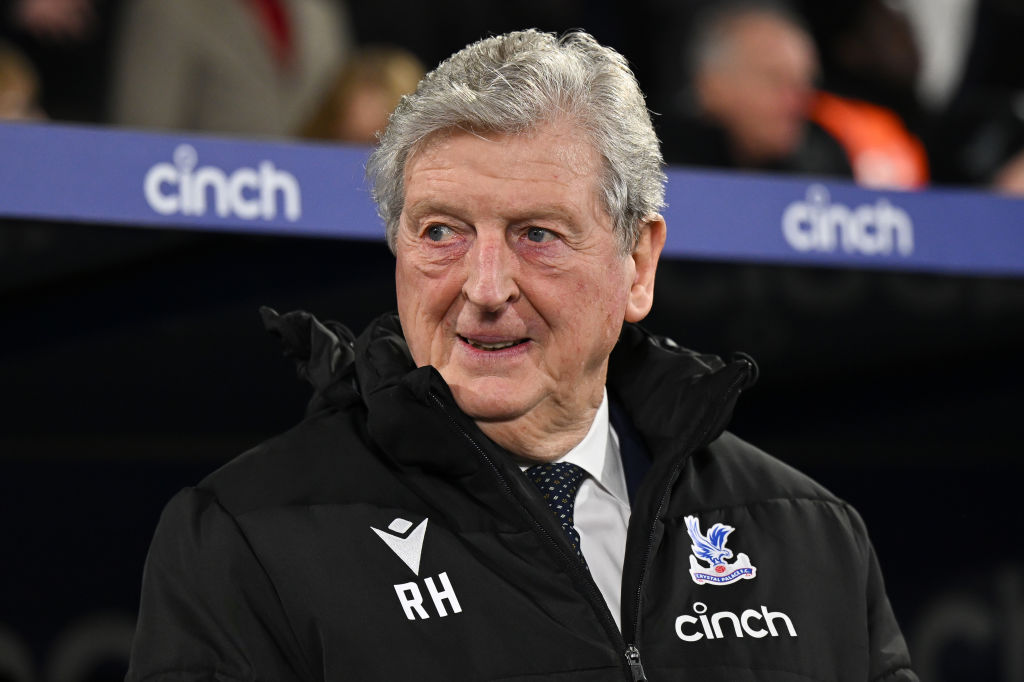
pixel 558 484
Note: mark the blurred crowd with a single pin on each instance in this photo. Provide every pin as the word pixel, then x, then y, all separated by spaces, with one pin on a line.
pixel 891 93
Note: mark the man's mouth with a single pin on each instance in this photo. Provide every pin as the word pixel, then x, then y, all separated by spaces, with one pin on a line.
pixel 491 346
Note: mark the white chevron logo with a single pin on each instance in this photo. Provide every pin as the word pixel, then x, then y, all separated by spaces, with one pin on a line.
pixel 408 545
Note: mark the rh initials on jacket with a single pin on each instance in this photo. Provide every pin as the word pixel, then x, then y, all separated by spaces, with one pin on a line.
pixel 386 538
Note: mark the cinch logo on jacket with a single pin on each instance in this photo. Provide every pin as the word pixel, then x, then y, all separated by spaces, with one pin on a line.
pixel 408 546
pixel 711 548
pixel 247 193
pixel 756 624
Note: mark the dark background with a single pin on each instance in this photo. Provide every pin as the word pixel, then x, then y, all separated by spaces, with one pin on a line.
pixel 137 364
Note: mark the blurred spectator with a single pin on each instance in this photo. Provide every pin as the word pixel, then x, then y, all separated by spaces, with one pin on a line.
pixel 980 136
pixel 364 94
pixel 1009 179
pixel 253 67
pixel 884 154
pixel 56 20
pixel 869 51
pixel 752 68
pixel 67 42
pixel 871 66
pixel 19 86
pixel 973 127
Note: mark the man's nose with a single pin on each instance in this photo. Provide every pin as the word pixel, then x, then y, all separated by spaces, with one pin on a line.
pixel 491 277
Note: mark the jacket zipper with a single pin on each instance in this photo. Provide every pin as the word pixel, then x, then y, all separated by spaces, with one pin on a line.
pixel 633 652
pixel 636 668
pixel 630 652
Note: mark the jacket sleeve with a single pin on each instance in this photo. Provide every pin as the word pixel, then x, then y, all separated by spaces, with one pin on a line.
pixel 208 609
pixel 890 660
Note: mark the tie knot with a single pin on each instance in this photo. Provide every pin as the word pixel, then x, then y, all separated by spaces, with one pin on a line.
pixel 557 479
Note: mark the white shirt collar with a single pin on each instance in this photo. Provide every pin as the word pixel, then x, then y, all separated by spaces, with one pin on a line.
pixel 598 454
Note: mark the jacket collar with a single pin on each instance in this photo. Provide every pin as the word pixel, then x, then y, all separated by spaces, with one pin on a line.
pixel 672 395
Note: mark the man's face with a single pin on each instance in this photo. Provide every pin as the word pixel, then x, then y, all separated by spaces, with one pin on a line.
pixel 760 90
pixel 509 278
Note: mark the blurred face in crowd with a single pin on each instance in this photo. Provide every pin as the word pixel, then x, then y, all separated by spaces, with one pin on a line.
pixel 758 85
pixel 17 101
pixel 18 88
pixel 363 114
pixel 512 283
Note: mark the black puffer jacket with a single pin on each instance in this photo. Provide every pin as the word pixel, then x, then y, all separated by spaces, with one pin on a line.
pixel 385 538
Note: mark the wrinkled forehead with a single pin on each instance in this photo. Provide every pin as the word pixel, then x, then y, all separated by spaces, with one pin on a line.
pixel 578 152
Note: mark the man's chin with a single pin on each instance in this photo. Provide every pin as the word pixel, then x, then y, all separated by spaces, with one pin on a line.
pixel 491 411
pixel 492 400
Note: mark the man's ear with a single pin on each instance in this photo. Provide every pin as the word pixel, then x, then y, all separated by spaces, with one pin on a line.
pixel 645 258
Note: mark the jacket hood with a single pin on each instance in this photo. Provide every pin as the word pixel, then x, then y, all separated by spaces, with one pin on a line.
pixel 668 390
pixel 323 353
pixel 657 382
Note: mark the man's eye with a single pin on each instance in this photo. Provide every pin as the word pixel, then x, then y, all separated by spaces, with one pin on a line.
pixel 438 233
pixel 539 234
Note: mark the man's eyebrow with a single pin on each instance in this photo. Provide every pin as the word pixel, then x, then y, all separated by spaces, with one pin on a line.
pixel 523 215
pixel 424 206
pixel 557 213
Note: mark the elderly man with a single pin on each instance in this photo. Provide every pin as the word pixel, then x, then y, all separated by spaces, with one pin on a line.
pixel 506 480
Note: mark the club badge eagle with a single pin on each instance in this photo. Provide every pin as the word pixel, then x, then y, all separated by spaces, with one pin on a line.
pixel 711 548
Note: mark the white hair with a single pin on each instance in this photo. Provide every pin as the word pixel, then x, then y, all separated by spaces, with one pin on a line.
pixel 515 82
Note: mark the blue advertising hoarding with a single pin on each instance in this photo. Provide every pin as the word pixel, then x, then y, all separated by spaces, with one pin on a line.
pixel 189 181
